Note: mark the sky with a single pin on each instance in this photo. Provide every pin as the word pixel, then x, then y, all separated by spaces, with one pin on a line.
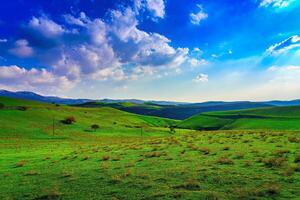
pixel 190 51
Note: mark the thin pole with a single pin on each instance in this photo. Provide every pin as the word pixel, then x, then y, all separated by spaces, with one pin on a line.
pixel 53 132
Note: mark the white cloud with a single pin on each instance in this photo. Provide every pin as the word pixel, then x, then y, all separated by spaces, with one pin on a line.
pixel 196 18
pixel 34 79
pixel 290 43
pixel 46 26
pixel 22 49
pixel 96 49
pixel 157 7
pixel 3 40
pixel 276 3
pixel 201 78
pixel 197 62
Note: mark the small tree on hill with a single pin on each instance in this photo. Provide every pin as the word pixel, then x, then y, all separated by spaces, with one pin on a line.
pixel 95 127
pixel 2 105
pixel 172 129
pixel 69 120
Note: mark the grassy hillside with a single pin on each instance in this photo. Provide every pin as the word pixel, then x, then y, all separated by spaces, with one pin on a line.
pixel 117 162
pixel 35 119
pixel 274 118
pixel 178 112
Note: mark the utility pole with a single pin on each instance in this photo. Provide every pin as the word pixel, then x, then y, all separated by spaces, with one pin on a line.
pixel 53 132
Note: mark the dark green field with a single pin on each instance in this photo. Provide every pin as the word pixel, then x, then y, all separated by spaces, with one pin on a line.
pixel 274 118
pixel 137 157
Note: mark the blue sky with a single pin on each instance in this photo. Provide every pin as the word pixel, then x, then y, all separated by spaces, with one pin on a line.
pixel 196 50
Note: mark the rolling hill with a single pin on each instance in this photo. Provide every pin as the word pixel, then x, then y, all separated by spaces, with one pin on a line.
pixel 35 120
pixel 178 112
pixel 273 118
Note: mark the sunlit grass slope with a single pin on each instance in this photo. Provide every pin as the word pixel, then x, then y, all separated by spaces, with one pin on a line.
pixel 34 119
pixel 121 161
pixel 274 118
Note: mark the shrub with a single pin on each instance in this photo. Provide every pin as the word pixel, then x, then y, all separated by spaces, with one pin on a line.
pixel 69 120
pixel 172 129
pixel 2 105
pixel 95 127
pixel 22 108
pixel 297 159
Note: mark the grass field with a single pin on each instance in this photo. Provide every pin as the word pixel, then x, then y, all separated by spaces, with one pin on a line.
pixel 273 118
pixel 121 160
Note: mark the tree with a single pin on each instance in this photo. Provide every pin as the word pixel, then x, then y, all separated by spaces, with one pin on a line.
pixel 69 120
pixel 172 129
pixel 95 127
pixel 2 105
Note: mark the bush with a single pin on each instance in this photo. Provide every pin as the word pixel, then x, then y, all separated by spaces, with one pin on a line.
pixel 297 159
pixel 172 129
pixel 69 120
pixel 95 127
pixel 22 108
pixel 1 106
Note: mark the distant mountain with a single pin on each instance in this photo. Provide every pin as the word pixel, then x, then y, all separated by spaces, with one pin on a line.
pixel 52 99
pixel 167 109
pixel 36 97
pixel 284 103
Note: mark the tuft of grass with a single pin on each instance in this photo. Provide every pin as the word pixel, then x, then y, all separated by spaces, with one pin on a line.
pixel 190 184
pixel 86 157
pixel 105 157
pixel 31 173
pixel 205 150
pixel 293 140
pixel 21 163
pixel 267 190
pixel 274 162
pixel 225 161
pixel 297 159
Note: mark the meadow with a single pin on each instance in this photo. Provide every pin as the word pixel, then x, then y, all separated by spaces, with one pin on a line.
pixel 138 157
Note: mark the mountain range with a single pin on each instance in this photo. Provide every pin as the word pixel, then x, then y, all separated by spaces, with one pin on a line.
pixel 167 109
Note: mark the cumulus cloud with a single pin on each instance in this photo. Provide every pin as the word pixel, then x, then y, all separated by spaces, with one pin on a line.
pixel 290 43
pixel 96 48
pixel 34 79
pixel 196 18
pixel 275 3
pixel 155 7
pixel 201 78
pixel 45 26
pixel 22 49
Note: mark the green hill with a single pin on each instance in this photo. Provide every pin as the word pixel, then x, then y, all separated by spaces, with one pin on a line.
pixel 274 118
pixel 35 120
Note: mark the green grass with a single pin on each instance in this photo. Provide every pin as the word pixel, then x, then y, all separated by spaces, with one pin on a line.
pixel 274 118
pixel 117 162
pixel 37 120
